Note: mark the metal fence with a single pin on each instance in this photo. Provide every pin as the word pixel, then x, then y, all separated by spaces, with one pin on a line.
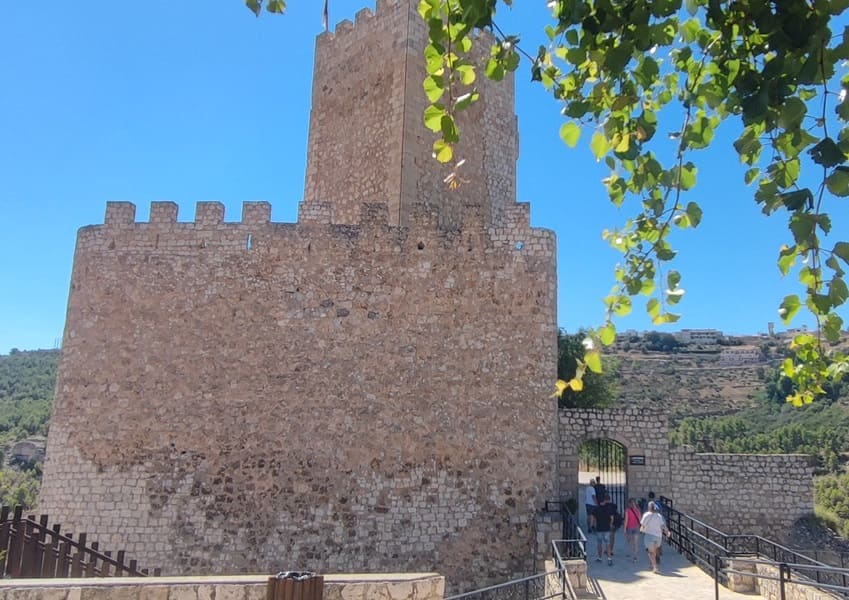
pixel 32 548
pixel 713 551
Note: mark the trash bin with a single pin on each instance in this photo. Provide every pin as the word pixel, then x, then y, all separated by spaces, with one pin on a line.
pixel 295 585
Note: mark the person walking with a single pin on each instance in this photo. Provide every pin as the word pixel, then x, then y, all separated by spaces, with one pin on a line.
pixel 603 526
pixel 589 502
pixel 654 528
pixel 632 529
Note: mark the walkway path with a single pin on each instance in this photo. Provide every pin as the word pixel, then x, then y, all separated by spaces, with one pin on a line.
pixel 625 580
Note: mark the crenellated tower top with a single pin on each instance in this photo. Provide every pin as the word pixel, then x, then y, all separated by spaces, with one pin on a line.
pixel 368 142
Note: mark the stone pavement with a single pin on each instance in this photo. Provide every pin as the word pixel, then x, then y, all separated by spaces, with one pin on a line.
pixel 625 580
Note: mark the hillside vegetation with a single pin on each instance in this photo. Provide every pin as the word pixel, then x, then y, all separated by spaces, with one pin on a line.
pixel 27 380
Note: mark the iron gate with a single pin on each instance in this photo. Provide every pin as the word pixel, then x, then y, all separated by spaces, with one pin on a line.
pixel 606 459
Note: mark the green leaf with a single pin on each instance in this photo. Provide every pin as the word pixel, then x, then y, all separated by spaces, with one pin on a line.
pixel 570 133
pixel 827 153
pixel 433 60
pixel 433 117
pixel 494 70
pixel 599 145
pixel 803 226
pixel 593 361
pixel 674 296
pixel 467 74
pixel 841 250
pixel 622 307
pixel 694 212
pixel 607 334
pixel 442 151
pixel 466 100
pixel 792 113
pixel 789 308
pixel 653 307
pixel 275 6
pixel 433 88
pixel 797 200
pixel 255 6
pixel 688 176
pixel 449 129
pixel 838 293
pixel 787 258
pixel 751 175
pixel 788 367
pixel 832 327
pixel 838 181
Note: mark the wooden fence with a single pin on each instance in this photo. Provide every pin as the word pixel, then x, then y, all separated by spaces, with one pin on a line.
pixel 30 548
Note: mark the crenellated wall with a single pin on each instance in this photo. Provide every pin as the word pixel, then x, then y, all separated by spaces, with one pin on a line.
pixel 351 398
pixel 368 142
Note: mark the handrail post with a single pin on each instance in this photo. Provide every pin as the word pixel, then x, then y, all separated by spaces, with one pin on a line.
pixel 716 576
pixel 782 569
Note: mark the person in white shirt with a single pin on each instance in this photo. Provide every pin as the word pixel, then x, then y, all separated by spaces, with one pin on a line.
pixel 590 502
pixel 654 528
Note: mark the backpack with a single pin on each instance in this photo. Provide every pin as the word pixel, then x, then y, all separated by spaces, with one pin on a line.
pixel 617 520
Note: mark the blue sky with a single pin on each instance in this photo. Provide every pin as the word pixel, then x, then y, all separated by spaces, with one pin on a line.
pixel 188 101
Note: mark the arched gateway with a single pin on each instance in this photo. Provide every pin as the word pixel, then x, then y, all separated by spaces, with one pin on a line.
pixel 628 447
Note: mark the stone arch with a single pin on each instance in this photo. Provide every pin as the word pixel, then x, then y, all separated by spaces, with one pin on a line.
pixel 642 432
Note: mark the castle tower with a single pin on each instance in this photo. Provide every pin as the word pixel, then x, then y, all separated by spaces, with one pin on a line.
pixel 368 142
pixel 365 390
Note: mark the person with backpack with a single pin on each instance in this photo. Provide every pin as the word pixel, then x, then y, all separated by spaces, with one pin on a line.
pixel 617 523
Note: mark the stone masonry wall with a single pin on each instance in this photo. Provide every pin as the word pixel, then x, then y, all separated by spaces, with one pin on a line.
pixel 641 431
pixel 743 493
pixel 367 139
pixel 416 586
pixel 254 396
pixel 736 493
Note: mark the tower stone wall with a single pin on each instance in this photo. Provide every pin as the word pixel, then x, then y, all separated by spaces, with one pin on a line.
pixel 358 391
pixel 367 141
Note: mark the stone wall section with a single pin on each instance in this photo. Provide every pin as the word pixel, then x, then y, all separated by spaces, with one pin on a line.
pixel 735 493
pixel 335 397
pixel 368 142
pixel 641 431
pixel 761 494
pixel 415 586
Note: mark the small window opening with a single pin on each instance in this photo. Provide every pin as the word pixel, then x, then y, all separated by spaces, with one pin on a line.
pixel 249 242
pixel 520 245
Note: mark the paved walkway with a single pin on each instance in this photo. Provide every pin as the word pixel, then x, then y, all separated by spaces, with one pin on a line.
pixel 625 580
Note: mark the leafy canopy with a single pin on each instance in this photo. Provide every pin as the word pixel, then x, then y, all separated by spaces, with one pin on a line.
pixel 620 68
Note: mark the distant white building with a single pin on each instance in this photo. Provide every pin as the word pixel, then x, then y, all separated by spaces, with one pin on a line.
pixel 738 355
pixel 698 336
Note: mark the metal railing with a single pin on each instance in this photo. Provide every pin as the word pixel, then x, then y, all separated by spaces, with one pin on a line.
pixel 536 587
pixel 713 551
pixel 30 548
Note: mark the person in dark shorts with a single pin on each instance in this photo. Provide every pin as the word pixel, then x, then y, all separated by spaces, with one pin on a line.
pixel 603 526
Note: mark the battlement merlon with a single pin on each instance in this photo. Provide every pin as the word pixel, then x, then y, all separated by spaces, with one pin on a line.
pixel 122 214
pixel 163 213
pixel 256 213
pixel 209 213
pixel 362 19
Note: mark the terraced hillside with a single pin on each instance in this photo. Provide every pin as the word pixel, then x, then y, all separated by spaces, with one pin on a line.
pixel 686 384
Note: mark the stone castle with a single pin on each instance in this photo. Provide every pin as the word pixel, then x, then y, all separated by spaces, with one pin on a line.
pixel 367 389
